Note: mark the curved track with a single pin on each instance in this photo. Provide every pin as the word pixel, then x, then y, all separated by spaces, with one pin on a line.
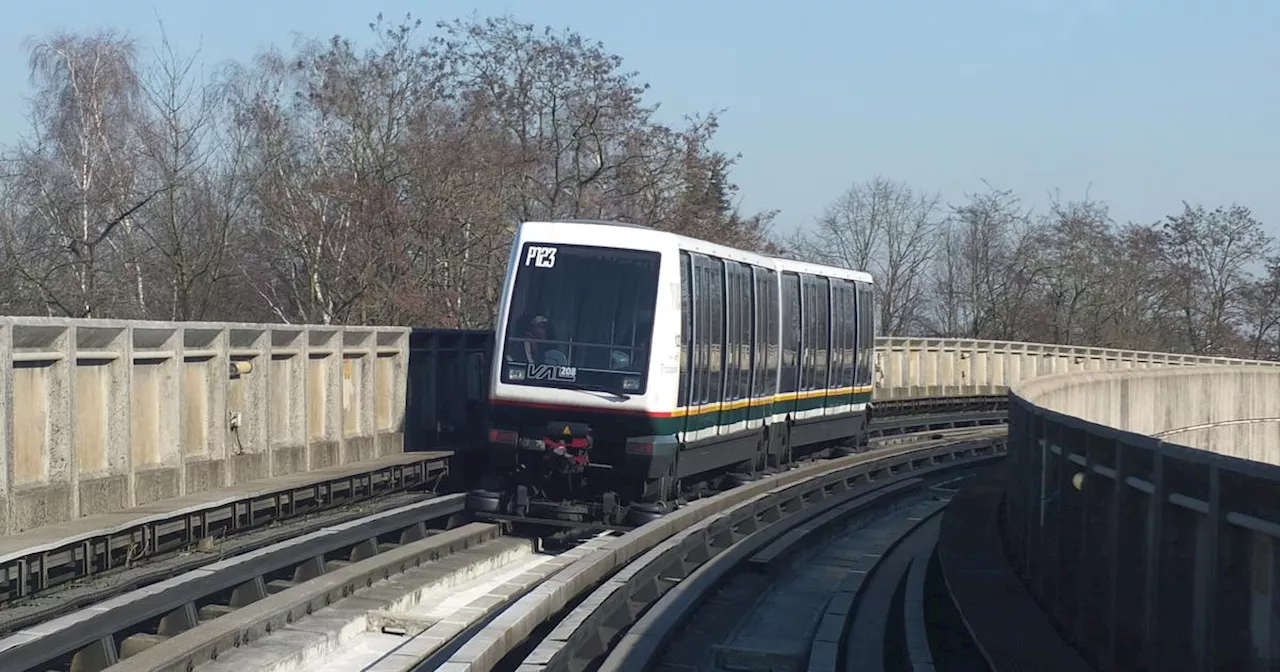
pixel 847 590
pixel 588 605
pixel 362 587
pixel 751 588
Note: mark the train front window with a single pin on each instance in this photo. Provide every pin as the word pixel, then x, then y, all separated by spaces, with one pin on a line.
pixel 581 318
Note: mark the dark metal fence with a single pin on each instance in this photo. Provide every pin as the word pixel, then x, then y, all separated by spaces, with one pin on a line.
pixel 1148 555
pixel 446 404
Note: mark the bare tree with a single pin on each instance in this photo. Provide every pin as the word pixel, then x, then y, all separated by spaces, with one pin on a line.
pixel 887 228
pixel 564 104
pixel 75 176
pixel 1260 313
pixel 985 288
pixel 1075 250
pixel 1206 255
pixel 325 127
pixel 185 154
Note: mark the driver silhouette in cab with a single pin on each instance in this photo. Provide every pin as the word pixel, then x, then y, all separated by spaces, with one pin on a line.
pixel 538 328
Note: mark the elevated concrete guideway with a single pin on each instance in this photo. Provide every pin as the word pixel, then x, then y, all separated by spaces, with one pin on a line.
pixel 103 415
pixel 1140 502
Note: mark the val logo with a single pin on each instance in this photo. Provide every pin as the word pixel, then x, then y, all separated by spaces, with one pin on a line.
pixel 552 372
pixel 566 431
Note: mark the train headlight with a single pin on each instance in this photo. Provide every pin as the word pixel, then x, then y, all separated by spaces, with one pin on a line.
pixel 631 383
pixel 515 373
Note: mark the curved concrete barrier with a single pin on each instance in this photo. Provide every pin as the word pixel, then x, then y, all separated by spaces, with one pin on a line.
pixel 1230 410
pixel 1151 552
pixel 910 368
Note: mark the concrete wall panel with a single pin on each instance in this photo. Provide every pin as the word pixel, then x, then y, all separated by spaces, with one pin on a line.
pixel 100 415
pixel 912 368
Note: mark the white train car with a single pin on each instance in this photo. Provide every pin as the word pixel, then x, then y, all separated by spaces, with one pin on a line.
pixel 631 363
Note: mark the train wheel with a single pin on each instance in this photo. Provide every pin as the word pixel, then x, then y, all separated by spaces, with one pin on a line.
pixel 639 514
pixel 484 501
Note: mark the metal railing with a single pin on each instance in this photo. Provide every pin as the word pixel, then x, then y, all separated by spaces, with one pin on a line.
pixel 1147 554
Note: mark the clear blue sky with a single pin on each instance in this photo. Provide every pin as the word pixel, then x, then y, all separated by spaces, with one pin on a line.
pixel 1143 102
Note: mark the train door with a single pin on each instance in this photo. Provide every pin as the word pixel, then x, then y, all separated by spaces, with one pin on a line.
pixel 789 375
pixel 684 394
pixel 706 347
pixel 764 337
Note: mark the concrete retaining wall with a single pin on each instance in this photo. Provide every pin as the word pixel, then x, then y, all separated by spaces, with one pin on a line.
pixel 1232 410
pixel 909 368
pixel 101 415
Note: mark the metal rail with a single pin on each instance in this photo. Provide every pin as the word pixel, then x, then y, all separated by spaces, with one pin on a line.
pixel 90 590
pixel 188 619
pixel 689 537
pixel 670 582
pixel 154 530
pixel 916 424
pixel 937 405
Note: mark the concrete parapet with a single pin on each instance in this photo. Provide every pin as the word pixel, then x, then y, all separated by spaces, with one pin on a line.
pixel 910 368
pixel 101 415
pixel 1230 410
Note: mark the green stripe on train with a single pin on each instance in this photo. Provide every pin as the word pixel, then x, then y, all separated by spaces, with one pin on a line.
pixel 702 421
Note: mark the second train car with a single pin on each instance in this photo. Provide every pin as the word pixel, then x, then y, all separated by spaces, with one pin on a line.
pixel 633 366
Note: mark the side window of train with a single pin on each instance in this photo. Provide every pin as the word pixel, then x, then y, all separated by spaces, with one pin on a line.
pixel 773 358
pixel 802 356
pixel 837 333
pixel 746 320
pixel 732 323
pixel 759 331
pixel 871 335
pixel 701 328
pixel 849 329
pixel 810 331
pixel 859 333
pixel 792 333
pixel 716 278
pixel 866 332
pixel 825 320
pixel 815 326
pixel 686 329
pixel 708 295
pixel 847 316
pixel 850 333
pixel 789 314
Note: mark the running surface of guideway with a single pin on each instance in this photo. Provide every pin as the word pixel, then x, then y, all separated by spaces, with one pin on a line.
pixel 107 499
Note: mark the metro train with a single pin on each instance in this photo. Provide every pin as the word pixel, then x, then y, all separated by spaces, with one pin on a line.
pixel 633 368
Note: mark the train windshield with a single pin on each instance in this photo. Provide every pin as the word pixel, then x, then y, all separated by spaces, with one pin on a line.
pixel 581 318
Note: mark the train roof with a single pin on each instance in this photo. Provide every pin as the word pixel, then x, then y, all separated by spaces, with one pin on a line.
pixel 726 251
